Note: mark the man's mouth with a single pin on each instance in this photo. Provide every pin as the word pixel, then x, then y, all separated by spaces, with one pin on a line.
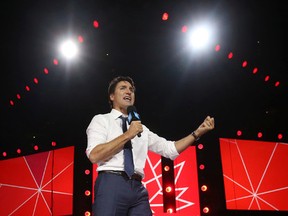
pixel 127 98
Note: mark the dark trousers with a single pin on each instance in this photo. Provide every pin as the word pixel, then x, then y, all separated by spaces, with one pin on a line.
pixel 115 195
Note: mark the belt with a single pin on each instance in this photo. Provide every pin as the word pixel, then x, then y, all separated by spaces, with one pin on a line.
pixel 135 176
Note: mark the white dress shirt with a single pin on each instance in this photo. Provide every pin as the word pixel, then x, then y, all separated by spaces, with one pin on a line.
pixel 106 127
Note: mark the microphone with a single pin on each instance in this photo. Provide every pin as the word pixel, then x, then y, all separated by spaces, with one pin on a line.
pixel 133 116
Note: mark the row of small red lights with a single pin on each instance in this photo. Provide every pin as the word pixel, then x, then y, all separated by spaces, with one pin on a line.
pixel 204 187
pixel 259 134
pixel 35 147
pixel 45 71
pixel 168 190
pixel 28 88
pixel 255 70
pixel 87 193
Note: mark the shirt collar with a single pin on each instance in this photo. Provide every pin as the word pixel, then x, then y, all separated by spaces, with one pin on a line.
pixel 116 113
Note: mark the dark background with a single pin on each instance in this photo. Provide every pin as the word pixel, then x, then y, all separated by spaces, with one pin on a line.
pixel 175 85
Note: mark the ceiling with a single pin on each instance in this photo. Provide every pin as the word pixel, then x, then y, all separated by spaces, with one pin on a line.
pixel 174 84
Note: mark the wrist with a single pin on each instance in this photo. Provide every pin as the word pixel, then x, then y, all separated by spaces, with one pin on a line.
pixel 196 137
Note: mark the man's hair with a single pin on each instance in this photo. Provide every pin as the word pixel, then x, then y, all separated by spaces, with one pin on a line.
pixel 114 82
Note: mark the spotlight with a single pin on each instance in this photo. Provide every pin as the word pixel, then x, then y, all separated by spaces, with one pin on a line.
pixel 202 167
pixel 168 189
pixel 87 192
pixel 244 64
pixel 204 188
pixel 55 61
pixel 200 36
pixel 239 133
pixel 255 70
pixel 277 84
pixel 87 213
pixel 96 24
pixel 230 55
pixel 184 29
pixel 166 168
pixel 87 171
pixel 170 210
pixel 69 49
pixel 206 210
pixel 200 146
pixel 45 70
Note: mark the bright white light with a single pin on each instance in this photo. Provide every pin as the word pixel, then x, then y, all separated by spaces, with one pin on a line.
pixel 200 37
pixel 69 49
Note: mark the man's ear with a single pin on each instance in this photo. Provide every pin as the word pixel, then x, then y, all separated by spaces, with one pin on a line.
pixel 111 97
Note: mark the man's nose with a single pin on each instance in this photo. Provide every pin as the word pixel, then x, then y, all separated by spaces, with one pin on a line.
pixel 129 91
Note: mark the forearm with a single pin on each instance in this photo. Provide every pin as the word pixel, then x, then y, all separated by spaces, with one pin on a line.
pixel 207 125
pixel 185 142
pixel 105 151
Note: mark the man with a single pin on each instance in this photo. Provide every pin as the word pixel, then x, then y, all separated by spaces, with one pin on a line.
pixel 116 192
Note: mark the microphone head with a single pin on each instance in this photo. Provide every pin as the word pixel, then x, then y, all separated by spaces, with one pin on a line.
pixel 131 109
pixel 132 114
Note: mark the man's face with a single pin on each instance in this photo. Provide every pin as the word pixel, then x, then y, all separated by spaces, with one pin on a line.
pixel 123 96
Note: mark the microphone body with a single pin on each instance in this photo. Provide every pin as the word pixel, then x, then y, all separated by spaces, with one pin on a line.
pixel 133 116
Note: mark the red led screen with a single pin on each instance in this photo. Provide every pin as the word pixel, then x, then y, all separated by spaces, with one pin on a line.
pixel 38 184
pixel 255 174
pixel 186 183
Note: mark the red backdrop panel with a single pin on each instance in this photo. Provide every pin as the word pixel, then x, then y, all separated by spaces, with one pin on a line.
pixel 186 183
pixel 38 184
pixel 255 174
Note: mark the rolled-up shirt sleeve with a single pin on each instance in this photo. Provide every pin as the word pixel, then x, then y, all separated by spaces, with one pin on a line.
pixel 96 133
pixel 162 146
